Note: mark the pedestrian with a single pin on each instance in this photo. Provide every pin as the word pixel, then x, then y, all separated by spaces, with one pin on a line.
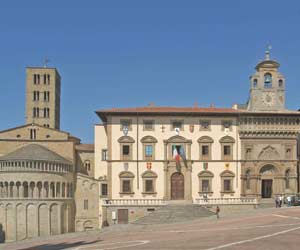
pixel 280 200
pixel 289 201
pixel 277 201
pixel 218 212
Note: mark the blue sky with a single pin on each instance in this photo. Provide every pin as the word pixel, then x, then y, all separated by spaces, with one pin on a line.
pixel 130 53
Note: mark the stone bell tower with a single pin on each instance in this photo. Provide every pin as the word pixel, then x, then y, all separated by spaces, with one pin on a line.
pixel 267 91
pixel 43 96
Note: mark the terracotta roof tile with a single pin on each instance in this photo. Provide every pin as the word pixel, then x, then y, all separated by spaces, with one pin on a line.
pixel 154 109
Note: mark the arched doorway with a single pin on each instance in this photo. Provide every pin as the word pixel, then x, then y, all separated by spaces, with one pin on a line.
pixel 267 173
pixel 177 186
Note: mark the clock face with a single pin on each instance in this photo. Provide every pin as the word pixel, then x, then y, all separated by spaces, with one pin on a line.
pixel 268 99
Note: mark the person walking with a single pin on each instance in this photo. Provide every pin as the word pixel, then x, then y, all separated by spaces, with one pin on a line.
pixel 218 212
pixel 280 200
pixel 277 201
pixel 289 201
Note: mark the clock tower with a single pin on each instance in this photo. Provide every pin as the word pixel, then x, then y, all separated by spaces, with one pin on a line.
pixel 267 91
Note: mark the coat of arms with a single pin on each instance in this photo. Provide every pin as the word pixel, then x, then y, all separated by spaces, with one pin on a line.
pixel 192 128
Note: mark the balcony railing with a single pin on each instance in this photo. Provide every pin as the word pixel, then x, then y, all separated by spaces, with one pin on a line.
pixel 134 202
pixel 226 201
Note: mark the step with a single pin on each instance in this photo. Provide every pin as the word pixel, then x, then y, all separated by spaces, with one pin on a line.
pixel 173 213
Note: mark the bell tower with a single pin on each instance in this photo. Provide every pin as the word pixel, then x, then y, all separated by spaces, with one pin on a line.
pixel 43 96
pixel 267 91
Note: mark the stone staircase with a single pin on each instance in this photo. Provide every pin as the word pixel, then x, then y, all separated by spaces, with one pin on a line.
pixel 266 203
pixel 173 212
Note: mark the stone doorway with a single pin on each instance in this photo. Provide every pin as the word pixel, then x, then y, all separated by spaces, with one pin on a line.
pixel 122 216
pixel 266 188
pixel 177 186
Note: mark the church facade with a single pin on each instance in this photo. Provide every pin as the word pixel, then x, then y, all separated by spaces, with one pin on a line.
pixel 47 184
pixel 152 155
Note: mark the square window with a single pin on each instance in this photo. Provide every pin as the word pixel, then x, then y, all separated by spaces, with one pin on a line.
pixel 126 150
pixel 126 187
pixel 148 150
pixel 148 125
pixel 126 123
pixel 227 150
pixel 177 124
pixel 227 125
pixel 204 124
pixel 149 186
pixel 227 185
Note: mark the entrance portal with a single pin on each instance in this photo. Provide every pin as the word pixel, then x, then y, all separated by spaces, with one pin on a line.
pixel 177 186
pixel 266 188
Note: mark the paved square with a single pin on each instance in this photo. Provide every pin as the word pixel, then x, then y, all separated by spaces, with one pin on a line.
pixel 259 229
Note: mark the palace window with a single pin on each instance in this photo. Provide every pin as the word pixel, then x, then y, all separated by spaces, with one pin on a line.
pixel 227 148
pixel 268 80
pixel 177 124
pixel 126 147
pixel 149 179
pixel 148 151
pixel 176 148
pixel 205 143
pixel 205 125
pixel 149 147
pixel 104 189
pixel 125 150
pixel 104 155
pixel 227 178
pixel 205 181
pixel 125 124
pixel 226 125
pixel 148 125
pixel 126 181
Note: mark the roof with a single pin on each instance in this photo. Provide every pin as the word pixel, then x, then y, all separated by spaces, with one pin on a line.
pixel 37 125
pixel 156 110
pixel 85 147
pixel 35 152
pixel 165 111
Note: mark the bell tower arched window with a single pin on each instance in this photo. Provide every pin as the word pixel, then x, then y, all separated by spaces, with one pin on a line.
pixel 268 80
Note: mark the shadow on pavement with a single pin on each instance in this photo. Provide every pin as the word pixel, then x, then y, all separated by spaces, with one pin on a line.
pixel 59 246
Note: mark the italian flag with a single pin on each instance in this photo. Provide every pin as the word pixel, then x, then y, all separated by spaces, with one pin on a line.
pixel 176 156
